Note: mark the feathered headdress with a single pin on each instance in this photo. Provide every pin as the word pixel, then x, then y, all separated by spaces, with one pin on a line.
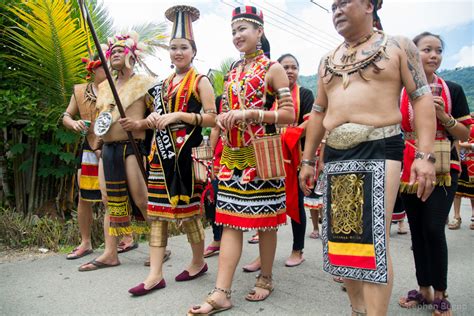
pixel 90 66
pixel 133 48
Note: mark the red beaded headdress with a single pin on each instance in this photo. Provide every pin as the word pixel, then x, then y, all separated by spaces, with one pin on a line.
pixel 249 14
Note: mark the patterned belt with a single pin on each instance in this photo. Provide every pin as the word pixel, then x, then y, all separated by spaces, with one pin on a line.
pixel 349 135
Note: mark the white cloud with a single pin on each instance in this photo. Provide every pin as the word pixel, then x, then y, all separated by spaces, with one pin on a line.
pixel 308 34
pixel 465 56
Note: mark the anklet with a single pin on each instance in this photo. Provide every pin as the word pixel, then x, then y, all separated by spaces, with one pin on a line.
pixel 218 289
pixel 357 313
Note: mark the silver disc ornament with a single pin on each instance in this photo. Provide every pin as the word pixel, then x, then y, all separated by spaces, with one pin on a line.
pixel 103 123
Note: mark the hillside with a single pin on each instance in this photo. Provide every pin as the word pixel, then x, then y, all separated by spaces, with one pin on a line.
pixel 462 76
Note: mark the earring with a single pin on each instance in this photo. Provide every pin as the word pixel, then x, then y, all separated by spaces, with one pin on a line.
pixel 172 66
pixel 259 44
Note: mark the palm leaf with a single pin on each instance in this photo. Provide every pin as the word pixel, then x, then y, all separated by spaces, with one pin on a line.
pixel 152 34
pixel 48 43
pixel 217 76
pixel 100 16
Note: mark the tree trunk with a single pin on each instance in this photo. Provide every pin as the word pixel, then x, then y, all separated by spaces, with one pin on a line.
pixel 6 192
pixel 33 195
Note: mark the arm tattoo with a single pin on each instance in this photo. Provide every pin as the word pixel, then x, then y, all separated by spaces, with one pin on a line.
pixel 392 41
pixel 414 65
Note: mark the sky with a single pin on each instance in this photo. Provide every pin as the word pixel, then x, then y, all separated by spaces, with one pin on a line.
pixel 302 28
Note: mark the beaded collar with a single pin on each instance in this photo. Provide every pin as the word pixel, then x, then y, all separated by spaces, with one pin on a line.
pixel 345 70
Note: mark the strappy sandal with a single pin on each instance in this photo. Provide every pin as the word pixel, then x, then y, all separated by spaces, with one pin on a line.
pixel 441 306
pixel 455 224
pixel 263 282
pixel 358 313
pixel 216 308
pixel 413 296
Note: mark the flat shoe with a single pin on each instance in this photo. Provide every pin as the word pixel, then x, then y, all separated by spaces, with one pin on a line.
pixel 76 255
pixel 184 276
pixel 250 268
pixel 140 290
pixel 127 248
pixel 294 263
pixel 96 266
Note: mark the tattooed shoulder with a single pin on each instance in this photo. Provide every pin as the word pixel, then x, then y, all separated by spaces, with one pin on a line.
pixel 374 47
pixel 393 41
pixel 414 62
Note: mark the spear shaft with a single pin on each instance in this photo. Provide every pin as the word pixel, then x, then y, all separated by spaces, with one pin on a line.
pixel 86 16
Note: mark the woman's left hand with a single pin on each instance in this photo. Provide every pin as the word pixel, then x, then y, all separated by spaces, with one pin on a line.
pixel 166 119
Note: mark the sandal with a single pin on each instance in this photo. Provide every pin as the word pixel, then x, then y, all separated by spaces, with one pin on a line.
pixel 211 251
pixel 122 247
pixel 441 306
pixel 413 296
pixel 254 239
pixel 263 282
pixel 216 308
pixel 96 265
pixel 77 253
pixel 314 234
pixel 455 224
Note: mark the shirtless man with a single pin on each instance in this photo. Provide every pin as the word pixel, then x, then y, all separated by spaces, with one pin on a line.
pixel 83 103
pixel 119 172
pixel 360 82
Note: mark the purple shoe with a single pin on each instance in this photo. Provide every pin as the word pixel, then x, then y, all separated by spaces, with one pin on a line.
pixel 441 306
pixel 140 290
pixel 184 276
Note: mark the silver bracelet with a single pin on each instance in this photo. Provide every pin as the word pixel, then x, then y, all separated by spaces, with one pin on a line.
pixel 419 92
pixel 319 109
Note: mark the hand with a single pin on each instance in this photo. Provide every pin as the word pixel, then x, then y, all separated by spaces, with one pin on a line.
pixel 79 126
pixel 231 118
pixel 152 119
pixel 306 178
pixel 440 110
pixel 423 172
pixel 220 120
pixel 128 124
pixel 167 119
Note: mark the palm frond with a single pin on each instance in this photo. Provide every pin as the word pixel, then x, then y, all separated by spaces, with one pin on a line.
pixel 217 75
pixel 153 34
pixel 100 16
pixel 48 43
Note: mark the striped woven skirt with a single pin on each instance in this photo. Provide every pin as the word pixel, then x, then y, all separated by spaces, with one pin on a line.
pixel 89 180
pixel 159 206
pixel 257 205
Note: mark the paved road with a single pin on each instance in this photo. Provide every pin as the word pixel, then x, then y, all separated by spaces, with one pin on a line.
pixel 53 286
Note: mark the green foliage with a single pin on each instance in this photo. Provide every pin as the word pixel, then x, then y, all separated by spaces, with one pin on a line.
pixel 17 231
pixel 48 42
pixel 465 78
pixel 217 76
pixel 103 22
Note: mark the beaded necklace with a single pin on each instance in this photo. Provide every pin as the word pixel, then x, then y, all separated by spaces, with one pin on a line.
pixel 345 70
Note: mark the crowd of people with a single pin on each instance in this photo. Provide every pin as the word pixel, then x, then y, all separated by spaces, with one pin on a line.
pixel 384 135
